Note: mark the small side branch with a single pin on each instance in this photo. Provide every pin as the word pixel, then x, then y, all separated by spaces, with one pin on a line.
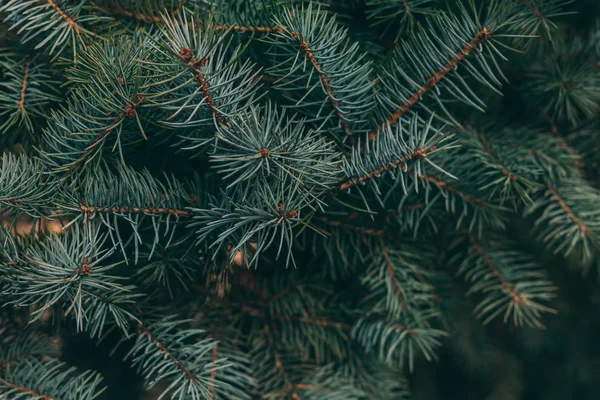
pixel 188 374
pixel 567 210
pixel 451 188
pixel 128 112
pixel 195 64
pixel 70 20
pixel 304 46
pixel 27 391
pixel 518 298
pixel 392 274
pixel 134 210
pixel 480 38
pixel 23 89
pixel 420 153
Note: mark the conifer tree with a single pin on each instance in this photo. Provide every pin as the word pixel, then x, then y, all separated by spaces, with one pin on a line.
pixel 236 199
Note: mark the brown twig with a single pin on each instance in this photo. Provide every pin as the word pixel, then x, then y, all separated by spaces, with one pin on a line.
pixel 195 64
pixel 392 274
pixel 188 374
pixel 304 46
pixel 567 210
pixel 134 210
pixel 70 20
pixel 28 391
pixel 23 89
pixel 420 153
pixel 479 38
pixel 518 298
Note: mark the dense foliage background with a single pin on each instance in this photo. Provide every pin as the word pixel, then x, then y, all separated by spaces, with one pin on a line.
pixel 367 199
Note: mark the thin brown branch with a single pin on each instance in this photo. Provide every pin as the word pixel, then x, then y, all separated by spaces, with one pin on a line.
pixel 567 210
pixel 479 38
pixel 392 274
pixel 23 89
pixel 188 374
pixel 16 358
pixel 70 20
pixel 304 46
pixel 489 151
pixel 128 112
pixel 518 298
pixel 134 210
pixel 27 391
pixel 442 184
pixel 194 64
pixel 420 153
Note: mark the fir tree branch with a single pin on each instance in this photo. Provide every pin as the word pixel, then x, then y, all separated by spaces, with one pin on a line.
pixel 69 19
pixel 153 339
pixel 25 390
pixel 129 111
pixel 518 298
pixel 567 210
pixel 23 88
pixel 392 275
pixel 289 386
pixel 194 65
pixel 305 47
pixel 445 185
pixel 480 38
pixel 401 162
pixel 90 210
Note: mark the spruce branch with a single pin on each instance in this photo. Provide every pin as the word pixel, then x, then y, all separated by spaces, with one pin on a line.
pixel 62 23
pixel 406 147
pixel 397 343
pixel 266 143
pixel 567 220
pixel 28 89
pixel 162 352
pixel 197 79
pixel 414 74
pixel 70 272
pixel 48 380
pixel 397 16
pixel 323 75
pixel 23 185
pixel 106 107
pixel 124 196
pixel 510 281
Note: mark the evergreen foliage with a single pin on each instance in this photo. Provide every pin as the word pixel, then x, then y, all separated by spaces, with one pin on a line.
pixel 296 199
